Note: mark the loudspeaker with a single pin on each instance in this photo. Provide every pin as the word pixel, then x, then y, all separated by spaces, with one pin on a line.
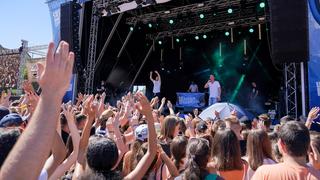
pixel 69 30
pixel 289 31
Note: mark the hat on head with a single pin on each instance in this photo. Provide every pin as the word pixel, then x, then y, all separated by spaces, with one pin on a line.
pixel 201 126
pixel 12 119
pixel 3 112
pixel 141 132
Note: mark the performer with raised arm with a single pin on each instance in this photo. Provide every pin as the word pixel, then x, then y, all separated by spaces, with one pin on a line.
pixel 156 84
pixel 214 90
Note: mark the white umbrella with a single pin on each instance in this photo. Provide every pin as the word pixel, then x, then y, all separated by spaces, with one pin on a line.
pixel 224 110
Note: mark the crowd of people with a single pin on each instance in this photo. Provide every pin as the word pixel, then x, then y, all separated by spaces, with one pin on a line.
pixel 41 138
pixel 9 71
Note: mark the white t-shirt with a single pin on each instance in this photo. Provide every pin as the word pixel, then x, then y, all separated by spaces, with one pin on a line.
pixel 156 86
pixel 214 89
pixel 193 88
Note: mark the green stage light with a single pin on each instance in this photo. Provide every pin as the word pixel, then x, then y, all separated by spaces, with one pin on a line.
pixel 251 30
pixel 230 10
pixel 262 4
pixel 201 16
pixel 159 42
pixel 196 37
pixel 131 28
pixel 171 21
pixel 227 33
pixel 204 36
pixel 150 25
pixel 177 40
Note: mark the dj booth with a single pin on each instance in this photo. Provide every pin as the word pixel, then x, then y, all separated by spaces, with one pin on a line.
pixel 190 100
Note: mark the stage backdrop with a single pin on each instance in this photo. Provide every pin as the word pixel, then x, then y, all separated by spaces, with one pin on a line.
pixel 314 44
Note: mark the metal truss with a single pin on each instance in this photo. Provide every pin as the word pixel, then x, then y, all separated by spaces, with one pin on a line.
pixel 211 5
pixel 89 73
pixel 291 89
pixel 250 21
pixel 23 56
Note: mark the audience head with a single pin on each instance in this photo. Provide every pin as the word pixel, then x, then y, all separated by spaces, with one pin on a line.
pixel 264 122
pixel 234 124
pixel 258 148
pixel 198 154
pixel 3 112
pixel 201 128
pixel 81 121
pixel 286 119
pixel 8 137
pixel 12 120
pixel 226 150
pixel 294 139
pixel 178 148
pixel 169 128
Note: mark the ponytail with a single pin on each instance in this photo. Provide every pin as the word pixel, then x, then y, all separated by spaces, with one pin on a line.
pixel 192 170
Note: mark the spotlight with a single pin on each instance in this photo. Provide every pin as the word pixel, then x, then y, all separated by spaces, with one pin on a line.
pixel 171 21
pixel 196 37
pixel 177 40
pixel 131 28
pixel 204 36
pixel 230 10
pixel 251 30
pixel 150 25
pixel 201 16
pixel 262 4
pixel 159 42
pixel 227 33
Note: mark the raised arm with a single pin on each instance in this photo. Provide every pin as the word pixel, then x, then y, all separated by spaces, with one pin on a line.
pixel 65 166
pixel 151 76
pixel 207 85
pixel 142 167
pixel 313 114
pixel 158 75
pixel 33 147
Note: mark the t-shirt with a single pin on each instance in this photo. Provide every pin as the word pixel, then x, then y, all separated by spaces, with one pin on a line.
pixel 193 88
pixel 286 171
pixel 214 89
pixel 156 86
pixel 250 172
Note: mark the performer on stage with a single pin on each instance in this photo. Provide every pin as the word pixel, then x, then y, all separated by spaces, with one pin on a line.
pixel 156 84
pixel 193 88
pixel 214 90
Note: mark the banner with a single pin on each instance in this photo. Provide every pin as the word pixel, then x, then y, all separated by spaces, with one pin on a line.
pixel 195 100
pixel 314 61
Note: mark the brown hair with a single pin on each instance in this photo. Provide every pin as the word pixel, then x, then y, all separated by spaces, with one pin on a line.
pixel 178 148
pixel 167 127
pixel 216 125
pixel 258 148
pixel 226 150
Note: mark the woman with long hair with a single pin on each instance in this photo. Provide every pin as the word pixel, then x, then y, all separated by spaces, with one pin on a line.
pixel 259 151
pixel 227 156
pixel 178 150
pixel 198 156
pixel 169 130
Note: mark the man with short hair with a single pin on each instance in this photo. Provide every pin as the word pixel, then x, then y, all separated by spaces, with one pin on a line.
pixel 214 90
pixel 156 84
pixel 294 142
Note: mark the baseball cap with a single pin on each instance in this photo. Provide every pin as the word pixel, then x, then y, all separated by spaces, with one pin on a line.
pixel 201 126
pixel 3 111
pixel 141 132
pixel 12 119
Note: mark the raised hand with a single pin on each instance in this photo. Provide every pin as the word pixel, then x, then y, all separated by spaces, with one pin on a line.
pixel 143 104
pixel 314 113
pixel 169 104
pixel 196 112
pixel 55 77
pixel 5 99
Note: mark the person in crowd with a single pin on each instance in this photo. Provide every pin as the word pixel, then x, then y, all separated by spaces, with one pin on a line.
pixel 169 130
pixel 259 151
pixel 8 137
pixel 156 84
pixel 234 124
pixel 178 148
pixel 264 123
pixel 214 90
pixel 294 143
pixel 193 88
pixel 198 156
pixel 314 154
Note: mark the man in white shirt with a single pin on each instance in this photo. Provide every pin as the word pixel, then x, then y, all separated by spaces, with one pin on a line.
pixel 156 84
pixel 193 88
pixel 214 90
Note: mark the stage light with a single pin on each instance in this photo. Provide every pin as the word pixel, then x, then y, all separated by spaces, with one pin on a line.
pixel 251 30
pixel 159 42
pixel 227 33
pixel 131 28
pixel 230 10
pixel 201 16
pixel 196 37
pixel 171 21
pixel 262 4
pixel 177 40
pixel 150 25
pixel 204 36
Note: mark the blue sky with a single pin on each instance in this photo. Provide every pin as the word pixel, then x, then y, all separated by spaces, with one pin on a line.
pixel 24 19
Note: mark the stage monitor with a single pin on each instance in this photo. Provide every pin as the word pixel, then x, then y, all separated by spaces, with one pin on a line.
pixel 139 88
